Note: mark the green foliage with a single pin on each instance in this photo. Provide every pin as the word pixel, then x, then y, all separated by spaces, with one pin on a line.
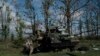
pixel 92 37
pixel 10 51
pixel 5 24
pixel 5 31
pixel 18 43
pixel 19 29
pixel 12 37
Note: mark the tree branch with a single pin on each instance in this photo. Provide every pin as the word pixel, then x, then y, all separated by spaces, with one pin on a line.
pixel 80 7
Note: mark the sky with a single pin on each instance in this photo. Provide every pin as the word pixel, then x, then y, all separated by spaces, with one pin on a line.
pixel 38 7
pixel 38 10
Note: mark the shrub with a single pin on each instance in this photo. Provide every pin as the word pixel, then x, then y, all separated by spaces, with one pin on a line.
pixel 83 48
pixel 18 43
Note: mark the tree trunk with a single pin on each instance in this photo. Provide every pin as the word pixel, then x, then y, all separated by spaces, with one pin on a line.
pixel 68 14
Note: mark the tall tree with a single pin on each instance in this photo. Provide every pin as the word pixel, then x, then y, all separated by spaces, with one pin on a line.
pixel 80 27
pixel 19 23
pixel 5 20
pixel 98 18
pixel 46 6
pixel 70 4
pixel 31 14
pixel 19 28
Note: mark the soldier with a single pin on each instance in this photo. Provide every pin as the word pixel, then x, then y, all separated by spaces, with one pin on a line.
pixel 28 47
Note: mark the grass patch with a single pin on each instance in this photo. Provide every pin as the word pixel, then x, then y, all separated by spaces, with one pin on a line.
pixel 7 50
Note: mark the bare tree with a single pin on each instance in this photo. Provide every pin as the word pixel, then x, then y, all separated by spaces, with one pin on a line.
pixel 31 14
pixel 46 5
pixel 69 7
pixel 80 27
